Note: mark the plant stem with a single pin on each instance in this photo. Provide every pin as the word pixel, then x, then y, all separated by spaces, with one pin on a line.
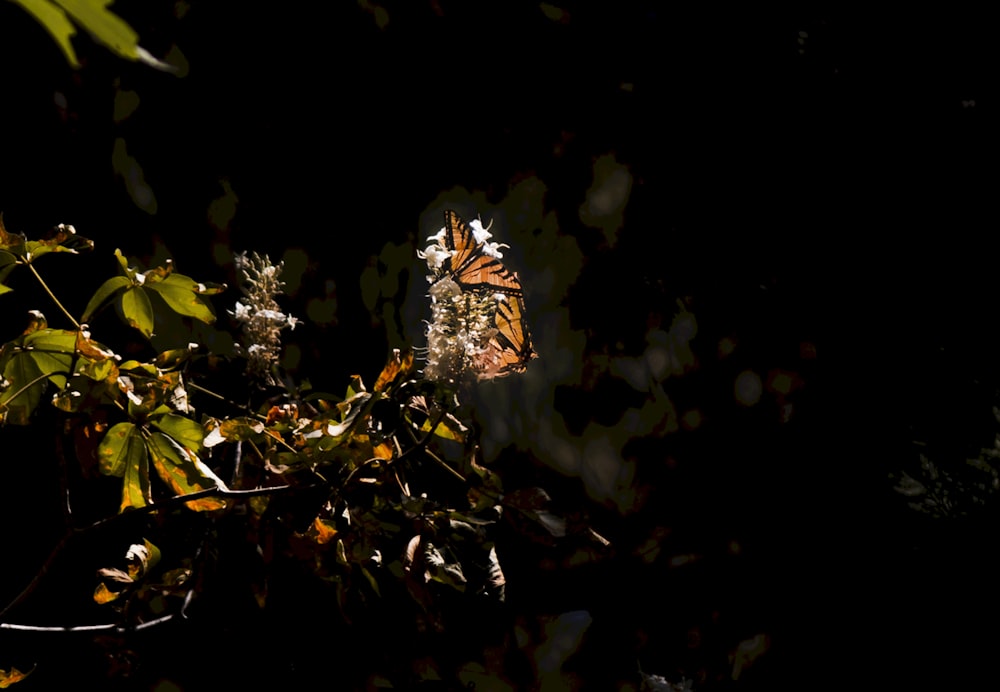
pixel 51 294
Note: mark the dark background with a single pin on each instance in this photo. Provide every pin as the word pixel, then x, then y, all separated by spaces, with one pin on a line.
pixel 813 177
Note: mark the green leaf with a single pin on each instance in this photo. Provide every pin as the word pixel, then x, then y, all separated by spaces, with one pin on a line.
pixel 108 289
pixel 52 351
pixel 30 360
pixel 25 385
pixel 171 359
pixel 183 430
pixel 182 294
pixel 137 310
pixel 104 26
pixel 120 446
pixel 123 264
pixel 7 264
pixel 135 489
pixel 184 472
pixel 56 23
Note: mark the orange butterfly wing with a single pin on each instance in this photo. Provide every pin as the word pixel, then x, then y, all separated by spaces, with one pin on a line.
pixel 511 346
pixel 470 267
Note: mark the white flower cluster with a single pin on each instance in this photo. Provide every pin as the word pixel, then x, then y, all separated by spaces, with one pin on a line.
pixel 260 316
pixel 460 330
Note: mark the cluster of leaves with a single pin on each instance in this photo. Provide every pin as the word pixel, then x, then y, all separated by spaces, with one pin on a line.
pixel 61 17
pixel 402 503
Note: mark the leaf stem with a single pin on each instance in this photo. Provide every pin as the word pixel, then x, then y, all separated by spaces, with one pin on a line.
pixel 52 295
pixel 224 400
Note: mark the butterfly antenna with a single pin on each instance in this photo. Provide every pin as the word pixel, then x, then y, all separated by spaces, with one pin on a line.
pixel 481 221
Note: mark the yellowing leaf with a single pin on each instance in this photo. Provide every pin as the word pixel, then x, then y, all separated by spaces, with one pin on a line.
pixel 184 472
pixel 400 364
pixel 183 430
pixel 8 678
pixel 63 238
pixel 104 595
pixel 168 360
pixel 135 489
pixel 141 558
pixel 25 384
pixel 120 444
pixel 36 322
pixel 324 531
pixel 233 429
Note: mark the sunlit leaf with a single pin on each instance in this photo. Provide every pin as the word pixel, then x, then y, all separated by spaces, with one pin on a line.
pixel 12 243
pixel 120 446
pixel 56 23
pixel 90 349
pixel 400 365
pixel 102 594
pixel 52 350
pixel 137 310
pixel 9 677
pixel 100 371
pixel 495 578
pixel 135 489
pixel 141 558
pixel 184 472
pixel 103 25
pixel 126 270
pixel 232 429
pixel 349 410
pixel 63 238
pixel 183 295
pixel 322 531
pixel 417 412
pixel 25 385
pixel 450 428
pixel 355 387
pixel 147 369
pixel 7 264
pixel 36 322
pixel 183 430
pixel 41 354
pixel 382 451
pixel 106 292
pixel 168 360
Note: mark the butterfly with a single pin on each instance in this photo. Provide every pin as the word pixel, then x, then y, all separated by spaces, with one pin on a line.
pixel 463 256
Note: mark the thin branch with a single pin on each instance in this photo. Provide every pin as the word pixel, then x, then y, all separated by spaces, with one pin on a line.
pixel 177 500
pixel 110 627
pixel 31 384
pixel 42 571
pixel 209 392
pixel 168 503
pixel 52 295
